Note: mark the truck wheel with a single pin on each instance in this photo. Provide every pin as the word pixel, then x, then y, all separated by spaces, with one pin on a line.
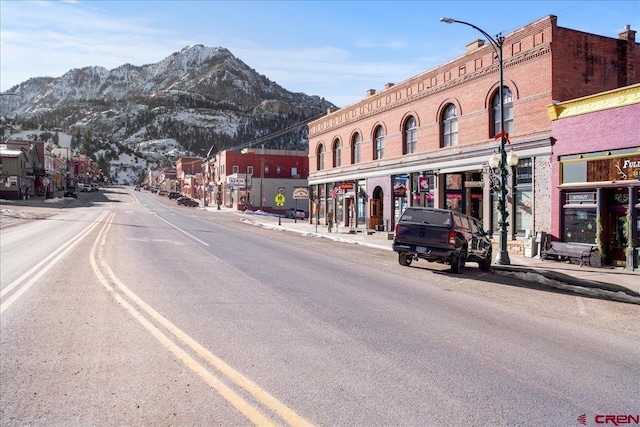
pixel 457 266
pixel 485 265
pixel 404 260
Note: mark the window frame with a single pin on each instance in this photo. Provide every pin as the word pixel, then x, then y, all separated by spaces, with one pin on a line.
pixel 320 157
pixel 379 135
pixel 507 96
pixel 356 148
pixel 337 156
pixel 410 134
pixel 449 126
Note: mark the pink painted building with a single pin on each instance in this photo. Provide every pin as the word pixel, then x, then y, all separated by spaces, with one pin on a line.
pixel 595 172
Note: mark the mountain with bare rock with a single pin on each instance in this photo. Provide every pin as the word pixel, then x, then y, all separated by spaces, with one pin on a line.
pixel 200 97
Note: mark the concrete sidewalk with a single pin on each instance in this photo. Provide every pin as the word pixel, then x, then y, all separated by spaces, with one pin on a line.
pixel 614 282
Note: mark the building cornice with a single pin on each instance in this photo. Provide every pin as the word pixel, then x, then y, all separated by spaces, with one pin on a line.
pixel 616 98
pixel 331 122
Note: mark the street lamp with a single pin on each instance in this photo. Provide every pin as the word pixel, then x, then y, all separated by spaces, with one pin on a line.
pixel 499 162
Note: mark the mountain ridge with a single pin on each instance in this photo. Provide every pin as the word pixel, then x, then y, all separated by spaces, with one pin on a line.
pixel 199 96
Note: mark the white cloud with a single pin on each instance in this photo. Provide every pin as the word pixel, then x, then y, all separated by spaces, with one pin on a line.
pixel 48 39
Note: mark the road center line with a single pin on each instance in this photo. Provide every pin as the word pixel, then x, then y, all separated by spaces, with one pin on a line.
pixel 238 402
pixel 181 230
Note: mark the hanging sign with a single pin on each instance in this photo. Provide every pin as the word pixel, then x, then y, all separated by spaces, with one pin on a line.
pixel 300 193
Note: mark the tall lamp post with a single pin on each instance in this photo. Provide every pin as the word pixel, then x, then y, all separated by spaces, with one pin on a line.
pixel 498 163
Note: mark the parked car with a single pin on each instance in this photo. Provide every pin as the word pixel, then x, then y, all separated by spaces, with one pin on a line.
pixel 440 235
pixel 85 188
pixel 174 195
pixel 295 213
pixel 71 192
pixel 95 187
pixel 187 201
pixel 162 193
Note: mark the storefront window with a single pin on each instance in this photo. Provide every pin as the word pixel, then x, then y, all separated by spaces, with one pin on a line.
pixel 454 202
pixel 322 201
pixel 401 191
pixel 362 202
pixel 524 211
pixel 580 225
pixel 524 197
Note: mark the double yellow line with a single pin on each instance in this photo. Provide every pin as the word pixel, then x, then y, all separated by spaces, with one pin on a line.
pixel 152 321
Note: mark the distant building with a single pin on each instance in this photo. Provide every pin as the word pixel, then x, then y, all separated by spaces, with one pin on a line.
pixel 252 178
pixel 189 176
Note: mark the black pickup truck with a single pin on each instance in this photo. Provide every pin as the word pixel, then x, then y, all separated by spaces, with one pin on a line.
pixel 444 236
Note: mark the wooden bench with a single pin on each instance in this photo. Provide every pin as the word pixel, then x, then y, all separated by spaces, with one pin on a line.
pixel 562 251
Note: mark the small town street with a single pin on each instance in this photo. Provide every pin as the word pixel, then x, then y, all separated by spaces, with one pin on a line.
pixel 123 308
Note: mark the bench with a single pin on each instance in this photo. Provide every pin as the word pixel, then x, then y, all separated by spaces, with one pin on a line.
pixel 562 251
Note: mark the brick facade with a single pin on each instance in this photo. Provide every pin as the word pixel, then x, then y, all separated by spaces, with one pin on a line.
pixel 542 63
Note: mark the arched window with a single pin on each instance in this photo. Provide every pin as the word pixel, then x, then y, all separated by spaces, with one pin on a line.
pixel 450 126
pixel 410 136
pixel 356 146
pixel 320 157
pixel 508 111
pixel 337 147
pixel 379 151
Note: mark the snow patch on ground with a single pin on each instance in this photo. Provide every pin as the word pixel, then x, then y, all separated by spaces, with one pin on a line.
pixel 592 292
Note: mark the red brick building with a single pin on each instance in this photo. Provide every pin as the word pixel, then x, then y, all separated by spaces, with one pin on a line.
pixel 426 141
pixel 251 178
pixel 189 176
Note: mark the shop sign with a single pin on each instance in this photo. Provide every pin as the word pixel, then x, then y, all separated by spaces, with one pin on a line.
pixel 400 186
pixel 236 182
pixel 346 186
pixel 423 184
pixel 578 198
pixel 619 169
pixel 300 193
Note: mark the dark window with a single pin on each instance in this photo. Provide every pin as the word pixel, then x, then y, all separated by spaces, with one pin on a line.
pixel 336 153
pixel 379 151
pixel 508 111
pixel 426 217
pixel 356 146
pixel 320 157
pixel 580 225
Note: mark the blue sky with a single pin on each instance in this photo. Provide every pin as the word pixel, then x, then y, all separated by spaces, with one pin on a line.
pixel 334 49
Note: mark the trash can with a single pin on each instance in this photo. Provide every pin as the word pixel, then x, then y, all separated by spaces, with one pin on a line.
pixel 530 247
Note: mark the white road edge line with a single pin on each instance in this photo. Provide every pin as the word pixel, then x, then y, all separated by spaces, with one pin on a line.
pixel 42 267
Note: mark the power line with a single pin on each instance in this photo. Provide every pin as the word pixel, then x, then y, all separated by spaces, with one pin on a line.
pixel 277 134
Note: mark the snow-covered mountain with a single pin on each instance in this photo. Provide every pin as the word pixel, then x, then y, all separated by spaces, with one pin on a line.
pixel 200 96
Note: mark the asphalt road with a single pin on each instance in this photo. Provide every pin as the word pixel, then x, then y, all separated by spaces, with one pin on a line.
pixel 126 309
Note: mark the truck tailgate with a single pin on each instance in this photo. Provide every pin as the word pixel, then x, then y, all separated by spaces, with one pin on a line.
pixel 411 233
